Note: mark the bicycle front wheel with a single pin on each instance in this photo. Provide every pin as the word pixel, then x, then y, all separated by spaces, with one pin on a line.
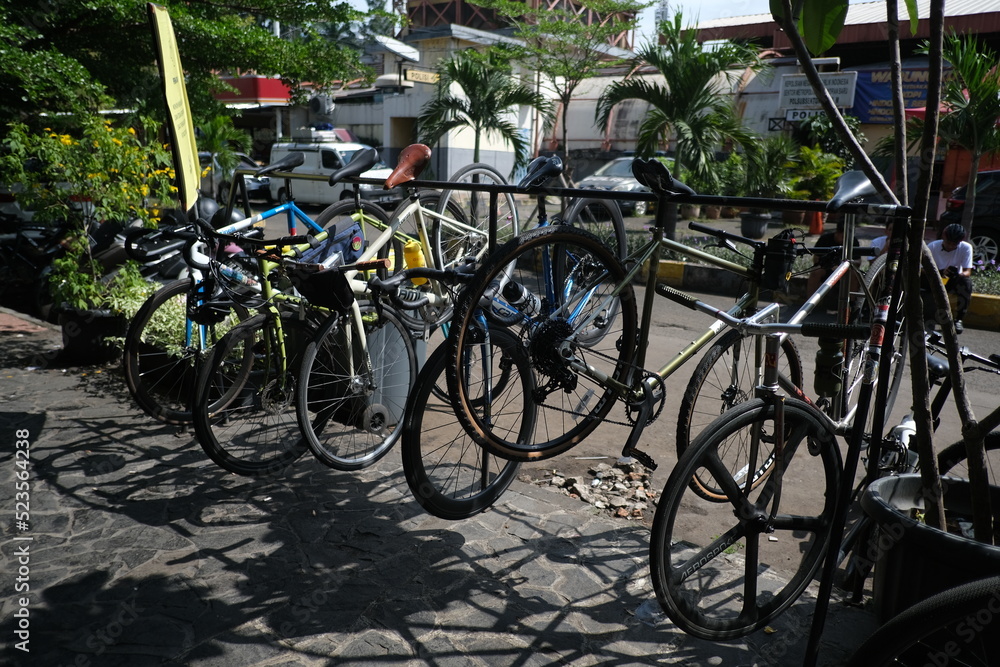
pixel 954 459
pixel 574 316
pixel 955 627
pixel 725 377
pixel 449 474
pixel 163 349
pixel 244 401
pixel 353 387
pixel 725 569
pixel 468 234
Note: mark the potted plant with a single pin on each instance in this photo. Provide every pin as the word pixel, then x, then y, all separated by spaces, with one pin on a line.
pixel 95 177
pixel 814 177
pixel 732 181
pixel 768 176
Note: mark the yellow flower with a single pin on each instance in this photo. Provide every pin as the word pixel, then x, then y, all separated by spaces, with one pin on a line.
pixel 131 131
pixel 116 141
pixel 66 140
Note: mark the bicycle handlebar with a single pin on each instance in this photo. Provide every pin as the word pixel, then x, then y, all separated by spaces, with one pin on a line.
pixel 993 361
pixel 725 236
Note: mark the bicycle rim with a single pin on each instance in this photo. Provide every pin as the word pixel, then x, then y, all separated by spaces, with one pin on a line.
pixel 725 377
pixel 244 403
pixel 351 400
pixel 452 243
pixel 450 475
pixel 718 568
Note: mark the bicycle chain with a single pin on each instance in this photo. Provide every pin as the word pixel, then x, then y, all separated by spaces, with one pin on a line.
pixel 629 420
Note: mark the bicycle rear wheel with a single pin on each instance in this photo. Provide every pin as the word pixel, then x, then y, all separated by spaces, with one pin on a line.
pixel 451 244
pixel 449 474
pixel 955 627
pixel 603 219
pixel 725 569
pixel 725 377
pixel 163 349
pixel 351 398
pixel 244 401
pixel 573 312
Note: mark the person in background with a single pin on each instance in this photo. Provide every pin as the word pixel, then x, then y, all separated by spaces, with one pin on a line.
pixel 880 244
pixel 827 262
pixel 953 258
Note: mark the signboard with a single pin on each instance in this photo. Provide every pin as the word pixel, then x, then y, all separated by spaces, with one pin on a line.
pixel 802 114
pixel 796 93
pixel 874 98
pixel 420 76
pixel 179 122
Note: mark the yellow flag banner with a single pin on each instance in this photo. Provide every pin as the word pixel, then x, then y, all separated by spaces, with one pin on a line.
pixel 179 120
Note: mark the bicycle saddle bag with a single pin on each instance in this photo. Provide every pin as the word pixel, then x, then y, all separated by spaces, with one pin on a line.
pixel 343 245
pixel 778 260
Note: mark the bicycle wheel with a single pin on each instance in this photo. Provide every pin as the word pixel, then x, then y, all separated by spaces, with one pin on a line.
pixel 603 219
pixel 451 243
pixel 725 569
pixel 449 475
pixel 244 401
pixel 953 459
pixel 563 327
pixel 351 396
pixel 725 377
pixel 857 350
pixel 163 349
pixel 957 626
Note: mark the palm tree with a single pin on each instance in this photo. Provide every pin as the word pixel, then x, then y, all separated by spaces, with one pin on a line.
pixel 972 100
pixel 219 138
pixel 692 108
pixel 488 95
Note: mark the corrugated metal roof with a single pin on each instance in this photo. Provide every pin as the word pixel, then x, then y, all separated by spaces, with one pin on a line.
pixel 860 13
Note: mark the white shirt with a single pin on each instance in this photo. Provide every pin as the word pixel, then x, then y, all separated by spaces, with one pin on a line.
pixel 960 257
pixel 877 245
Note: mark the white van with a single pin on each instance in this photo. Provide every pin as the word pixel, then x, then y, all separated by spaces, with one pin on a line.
pixel 321 160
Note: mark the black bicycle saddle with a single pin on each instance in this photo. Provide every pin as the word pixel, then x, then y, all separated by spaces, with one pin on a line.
pixel 287 163
pixel 850 186
pixel 654 175
pixel 361 161
pixel 540 170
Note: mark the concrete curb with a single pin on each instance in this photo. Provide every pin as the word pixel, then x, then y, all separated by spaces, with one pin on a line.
pixel 984 311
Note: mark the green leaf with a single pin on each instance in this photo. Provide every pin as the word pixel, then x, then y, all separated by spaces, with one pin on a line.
pixel 821 22
pixel 911 8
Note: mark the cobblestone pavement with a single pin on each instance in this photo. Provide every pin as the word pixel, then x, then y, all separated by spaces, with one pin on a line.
pixel 139 551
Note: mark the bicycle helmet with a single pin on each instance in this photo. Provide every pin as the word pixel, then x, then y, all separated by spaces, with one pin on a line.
pixel 955 233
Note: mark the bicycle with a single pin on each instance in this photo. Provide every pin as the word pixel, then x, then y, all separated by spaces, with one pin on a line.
pixel 180 322
pixel 582 333
pixel 251 411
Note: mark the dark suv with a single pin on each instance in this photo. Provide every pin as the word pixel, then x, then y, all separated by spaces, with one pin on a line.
pixel 986 218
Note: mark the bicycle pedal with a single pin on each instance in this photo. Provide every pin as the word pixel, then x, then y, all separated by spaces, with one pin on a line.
pixel 642 457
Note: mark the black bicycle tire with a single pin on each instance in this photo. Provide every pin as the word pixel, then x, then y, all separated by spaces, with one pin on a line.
pixel 139 374
pixel 317 431
pixel 955 454
pixel 946 625
pixel 280 452
pixel 464 332
pixel 696 387
pixel 439 474
pixel 803 425
pixel 573 215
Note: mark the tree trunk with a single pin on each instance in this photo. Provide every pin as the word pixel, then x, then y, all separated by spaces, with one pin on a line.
pixel 970 194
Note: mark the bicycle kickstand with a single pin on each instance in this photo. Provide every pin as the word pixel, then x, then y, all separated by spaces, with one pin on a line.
pixel 645 412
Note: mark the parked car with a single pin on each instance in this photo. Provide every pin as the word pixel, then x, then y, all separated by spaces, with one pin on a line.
pixel 985 238
pixel 216 184
pixel 617 176
pixel 321 160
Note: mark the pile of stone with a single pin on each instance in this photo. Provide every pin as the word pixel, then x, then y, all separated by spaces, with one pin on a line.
pixel 623 490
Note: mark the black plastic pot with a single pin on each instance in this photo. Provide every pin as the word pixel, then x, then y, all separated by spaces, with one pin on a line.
pixel 914 561
pixel 85 335
pixel 754 225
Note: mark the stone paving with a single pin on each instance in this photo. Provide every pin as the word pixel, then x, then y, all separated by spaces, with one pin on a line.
pixel 142 552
